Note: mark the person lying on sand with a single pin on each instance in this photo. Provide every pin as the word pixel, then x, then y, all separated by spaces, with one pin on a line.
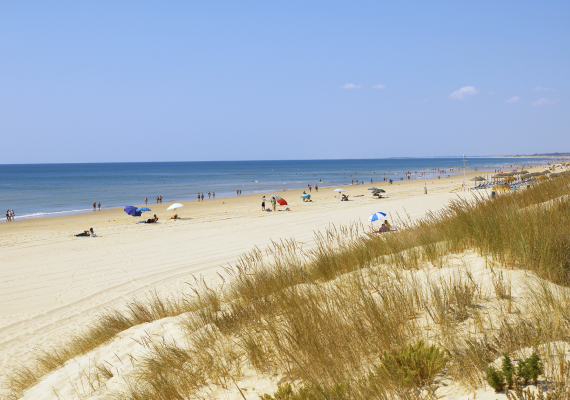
pixel 175 217
pixel 149 221
pixel 90 232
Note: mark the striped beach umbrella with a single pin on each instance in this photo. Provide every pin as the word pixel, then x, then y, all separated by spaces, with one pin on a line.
pixel 378 216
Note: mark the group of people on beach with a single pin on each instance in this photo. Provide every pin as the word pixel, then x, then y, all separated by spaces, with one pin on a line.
pixel 273 204
pixel 10 216
pixel 158 200
pixel 95 206
pixel 211 195
pixel 386 227
pixel 311 188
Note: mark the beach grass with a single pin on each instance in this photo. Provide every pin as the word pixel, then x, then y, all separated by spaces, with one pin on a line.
pixel 326 318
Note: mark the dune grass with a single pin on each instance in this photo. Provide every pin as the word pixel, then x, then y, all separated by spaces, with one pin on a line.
pixel 324 318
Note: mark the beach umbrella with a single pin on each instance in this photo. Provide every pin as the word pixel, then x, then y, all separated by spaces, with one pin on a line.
pixel 378 216
pixel 339 190
pixel 132 210
pixel 305 196
pixel 282 202
pixel 274 198
pixel 373 188
pixel 174 206
pixel 142 209
pixel 477 179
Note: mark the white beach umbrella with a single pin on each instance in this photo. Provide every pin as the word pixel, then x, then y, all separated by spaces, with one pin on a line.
pixel 175 206
pixel 274 197
pixel 339 190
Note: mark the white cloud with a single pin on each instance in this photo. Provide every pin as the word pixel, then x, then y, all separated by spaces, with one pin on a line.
pixel 545 102
pixel 514 99
pixel 464 93
pixel 543 89
pixel 351 86
pixel 379 87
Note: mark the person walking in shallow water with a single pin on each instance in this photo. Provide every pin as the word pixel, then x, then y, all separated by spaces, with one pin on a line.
pixel 99 206
pixel 145 201
pixel 94 206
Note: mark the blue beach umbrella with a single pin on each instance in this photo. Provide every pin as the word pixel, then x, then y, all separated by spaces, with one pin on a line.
pixel 377 216
pixel 132 210
pixel 144 209
pixel 305 196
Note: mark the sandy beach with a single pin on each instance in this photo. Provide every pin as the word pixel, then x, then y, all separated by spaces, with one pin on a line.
pixel 52 281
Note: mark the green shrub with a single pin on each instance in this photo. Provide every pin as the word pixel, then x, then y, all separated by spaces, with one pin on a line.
pixel 530 369
pixel 414 365
pixel 495 379
pixel 283 393
pixel 310 392
pixel 508 370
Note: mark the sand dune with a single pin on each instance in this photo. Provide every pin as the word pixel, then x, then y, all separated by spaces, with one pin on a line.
pixel 52 282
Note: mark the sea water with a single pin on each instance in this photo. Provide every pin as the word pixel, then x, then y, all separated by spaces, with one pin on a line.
pixel 35 190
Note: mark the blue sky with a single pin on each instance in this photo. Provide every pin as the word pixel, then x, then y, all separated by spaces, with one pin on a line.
pixel 225 80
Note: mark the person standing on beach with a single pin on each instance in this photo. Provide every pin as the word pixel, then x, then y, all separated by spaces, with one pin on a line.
pixel 214 195
pixel 198 196
pixel 99 205
pixel 94 206
pixel 263 203
pixel 209 195
pixel 156 199
pixel 145 201
pixel 13 215
pixel 202 196
pixel 317 187
pixel 8 216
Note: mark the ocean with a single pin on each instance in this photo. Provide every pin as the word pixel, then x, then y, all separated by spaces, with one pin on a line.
pixel 37 190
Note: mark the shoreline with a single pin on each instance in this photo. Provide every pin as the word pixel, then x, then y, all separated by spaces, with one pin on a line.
pixel 68 213
pixel 116 215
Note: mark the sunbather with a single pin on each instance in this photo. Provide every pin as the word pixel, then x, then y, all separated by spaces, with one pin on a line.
pixel 175 217
pixel 152 220
pixel 90 232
